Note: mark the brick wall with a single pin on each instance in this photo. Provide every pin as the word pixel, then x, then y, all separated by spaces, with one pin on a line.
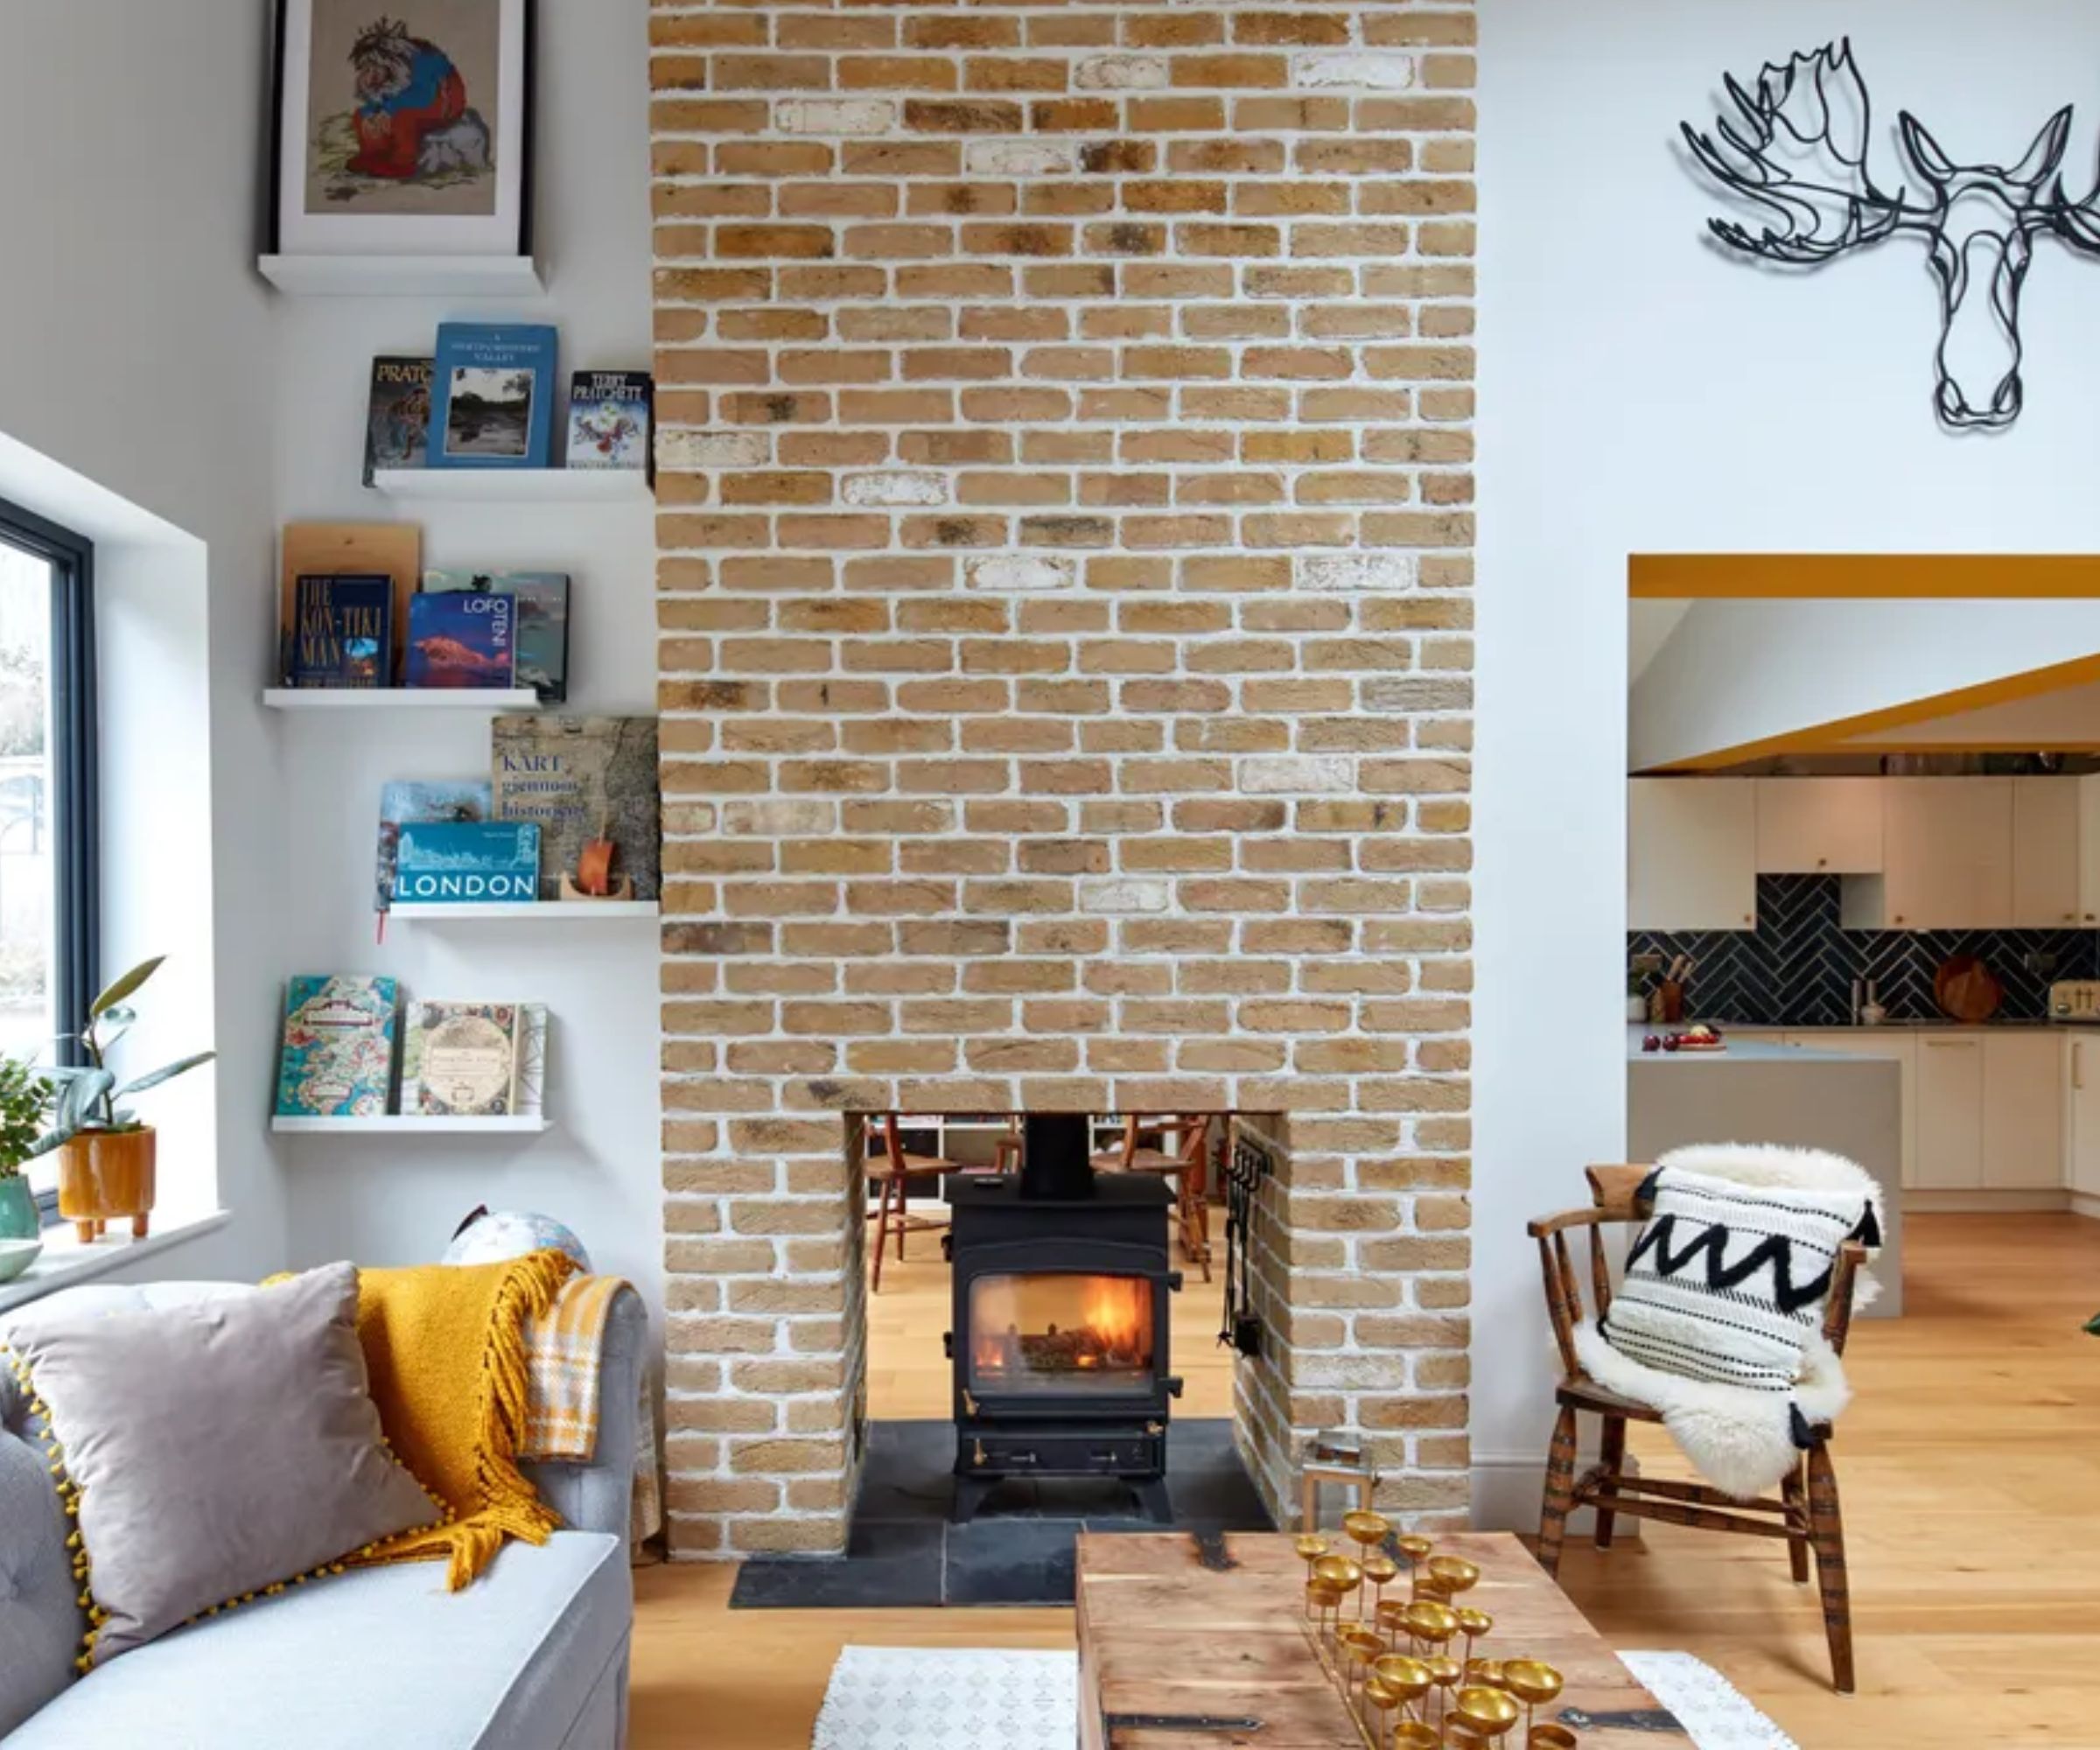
pixel 1066 427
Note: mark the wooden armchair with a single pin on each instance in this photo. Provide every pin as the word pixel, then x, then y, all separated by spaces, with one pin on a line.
pixel 894 1172
pixel 1805 1514
pixel 1188 1166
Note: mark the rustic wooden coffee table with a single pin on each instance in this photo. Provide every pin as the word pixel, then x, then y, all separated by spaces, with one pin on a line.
pixel 1187 1643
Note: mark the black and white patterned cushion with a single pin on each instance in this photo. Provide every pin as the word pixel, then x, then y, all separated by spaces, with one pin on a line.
pixel 1727 1282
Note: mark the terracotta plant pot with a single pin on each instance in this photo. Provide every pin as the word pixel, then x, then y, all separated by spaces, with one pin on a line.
pixel 105 1176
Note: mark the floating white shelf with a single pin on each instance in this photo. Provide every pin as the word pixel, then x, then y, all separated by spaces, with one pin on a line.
pixel 402 698
pixel 514 485
pixel 399 1124
pixel 403 275
pixel 533 911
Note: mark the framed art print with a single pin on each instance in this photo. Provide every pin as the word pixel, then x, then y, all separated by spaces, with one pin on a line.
pixel 403 127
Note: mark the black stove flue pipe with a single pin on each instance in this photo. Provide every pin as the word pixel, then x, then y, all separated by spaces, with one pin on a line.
pixel 1055 1166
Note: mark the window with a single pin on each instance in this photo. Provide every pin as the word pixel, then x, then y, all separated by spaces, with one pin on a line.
pixel 49 886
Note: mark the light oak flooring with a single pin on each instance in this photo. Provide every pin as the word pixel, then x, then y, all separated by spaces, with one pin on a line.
pixel 1970 1465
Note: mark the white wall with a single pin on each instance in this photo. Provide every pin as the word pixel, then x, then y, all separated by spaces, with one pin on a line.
pixel 1642 392
pixel 135 351
pixel 397 1201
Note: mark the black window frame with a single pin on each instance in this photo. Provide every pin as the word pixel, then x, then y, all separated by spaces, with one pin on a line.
pixel 75 789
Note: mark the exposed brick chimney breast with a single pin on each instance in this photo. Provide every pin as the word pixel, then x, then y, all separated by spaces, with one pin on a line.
pixel 1066 532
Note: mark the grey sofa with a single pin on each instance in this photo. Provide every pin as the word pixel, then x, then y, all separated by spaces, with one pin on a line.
pixel 532 1657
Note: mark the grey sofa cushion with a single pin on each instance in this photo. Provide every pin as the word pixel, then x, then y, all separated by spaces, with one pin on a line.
pixel 41 1621
pixel 218 1447
pixel 529 1657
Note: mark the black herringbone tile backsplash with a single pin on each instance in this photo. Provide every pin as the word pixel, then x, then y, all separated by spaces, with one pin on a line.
pixel 1796 967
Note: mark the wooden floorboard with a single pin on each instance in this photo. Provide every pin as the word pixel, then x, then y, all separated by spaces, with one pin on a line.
pixel 1970 1464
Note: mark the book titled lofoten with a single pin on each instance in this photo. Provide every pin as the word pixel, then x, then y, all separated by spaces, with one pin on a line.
pixel 468 863
pixel 459 639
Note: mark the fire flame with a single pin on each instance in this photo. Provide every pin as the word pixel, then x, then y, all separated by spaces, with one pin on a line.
pixel 1042 1325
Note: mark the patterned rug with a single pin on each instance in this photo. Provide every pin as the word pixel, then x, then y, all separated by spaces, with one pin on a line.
pixel 920 1698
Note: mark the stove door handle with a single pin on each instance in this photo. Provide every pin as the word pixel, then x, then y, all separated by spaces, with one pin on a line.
pixel 1173 1282
pixel 1173 1385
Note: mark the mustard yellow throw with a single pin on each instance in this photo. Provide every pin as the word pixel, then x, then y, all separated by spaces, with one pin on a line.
pixel 445 1347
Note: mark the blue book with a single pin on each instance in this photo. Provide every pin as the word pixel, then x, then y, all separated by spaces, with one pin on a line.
pixel 338 1056
pixel 459 638
pixel 342 633
pixel 493 395
pixel 457 863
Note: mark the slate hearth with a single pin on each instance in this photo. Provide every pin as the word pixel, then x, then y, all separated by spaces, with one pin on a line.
pixel 1018 1548
pixel 1796 967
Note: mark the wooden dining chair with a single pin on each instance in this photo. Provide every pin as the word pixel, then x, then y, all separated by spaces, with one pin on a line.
pixel 1188 1166
pixel 894 1172
pixel 1806 1513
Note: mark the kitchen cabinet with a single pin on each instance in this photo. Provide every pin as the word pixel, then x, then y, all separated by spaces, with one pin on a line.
pixel 1949 1124
pixel 2046 886
pixel 2081 1108
pixel 1899 1044
pixel 1691 854
pixel 1947 855
pixel 2088 848
pixel 2023 1110
pixel 1818 826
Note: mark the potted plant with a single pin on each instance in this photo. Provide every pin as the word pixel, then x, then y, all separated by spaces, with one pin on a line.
pixel 106 1155
pixel 24 1094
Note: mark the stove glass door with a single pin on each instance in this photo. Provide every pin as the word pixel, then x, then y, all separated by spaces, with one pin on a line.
pixel 1040 1334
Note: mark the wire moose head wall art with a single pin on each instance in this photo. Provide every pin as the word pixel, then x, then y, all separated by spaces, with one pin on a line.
pixel 1797 148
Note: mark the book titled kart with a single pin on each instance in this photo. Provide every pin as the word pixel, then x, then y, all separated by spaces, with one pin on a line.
pixel 468 863
pixel 609 419
pixel 461 1060
pixel 398 415
pixel 540 635
pixel 581 779
pixel 338 1055
pixel 493 392
pixel 458 639
pixel 342 633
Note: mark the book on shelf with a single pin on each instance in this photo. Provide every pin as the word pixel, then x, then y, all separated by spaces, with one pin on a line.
pixel 388 550
pixel 582 778
pixel 459 862
pixel 458 639
pixel 491 396
pixel 530 1100
pixel 342 632
pixel 424 801
pixel 337 1060
pixel 398 415
pixel 609 420
pixel 460 1060
pixel 540 634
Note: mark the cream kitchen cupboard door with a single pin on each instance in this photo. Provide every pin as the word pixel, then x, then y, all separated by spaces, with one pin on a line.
pixel 2046 889
pixel 1950 1112
pixel 1691 854
pixel 1948 855
pixel 2089 851
pixel 1818 826
pixel 2082 1114
pixel 2023 1110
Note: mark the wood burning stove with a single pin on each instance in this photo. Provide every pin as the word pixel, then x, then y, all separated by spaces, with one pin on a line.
pixel 1059 1341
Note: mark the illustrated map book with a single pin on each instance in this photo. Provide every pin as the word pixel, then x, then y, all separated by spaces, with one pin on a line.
pixel 582 778
pixel 398 415
pixel 405 800
pixel 337 1060
pixel 457 863
pixel 609 419
pixel 461 1060
pixel 493 396
pixel 540 636
pixel 459 639
pixel 343 631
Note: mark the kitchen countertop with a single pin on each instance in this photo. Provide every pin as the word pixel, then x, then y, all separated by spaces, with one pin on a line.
pixel 1940 1024
pixel 1739 1050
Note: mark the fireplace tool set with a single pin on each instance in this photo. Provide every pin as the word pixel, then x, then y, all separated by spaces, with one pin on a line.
pixel 1393 1659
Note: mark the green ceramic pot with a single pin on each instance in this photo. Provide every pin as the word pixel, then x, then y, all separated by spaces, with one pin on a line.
pixel 18 1219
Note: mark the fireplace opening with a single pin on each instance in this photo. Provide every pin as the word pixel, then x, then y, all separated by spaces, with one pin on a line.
pixel 1036 1332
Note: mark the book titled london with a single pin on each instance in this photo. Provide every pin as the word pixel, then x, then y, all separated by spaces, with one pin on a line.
pixel 397 416
pixel 582 778
pixel 342 632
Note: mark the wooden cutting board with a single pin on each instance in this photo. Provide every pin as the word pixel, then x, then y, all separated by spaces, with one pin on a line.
pixel 1967 990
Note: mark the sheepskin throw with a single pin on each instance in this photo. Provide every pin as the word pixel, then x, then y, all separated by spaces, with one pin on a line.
pixel 1718 1324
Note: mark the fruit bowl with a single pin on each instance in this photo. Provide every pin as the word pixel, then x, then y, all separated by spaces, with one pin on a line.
pixel 16 1255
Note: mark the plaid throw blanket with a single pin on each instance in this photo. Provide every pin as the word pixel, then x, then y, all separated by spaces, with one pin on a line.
pixel 560 1359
